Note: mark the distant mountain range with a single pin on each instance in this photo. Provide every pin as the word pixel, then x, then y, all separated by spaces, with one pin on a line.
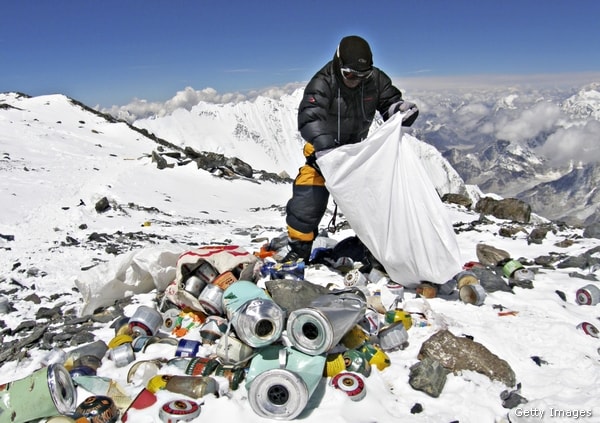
pixel 540 146
pixel 512 142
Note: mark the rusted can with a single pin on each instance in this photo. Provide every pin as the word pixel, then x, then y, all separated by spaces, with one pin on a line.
pixel 192 386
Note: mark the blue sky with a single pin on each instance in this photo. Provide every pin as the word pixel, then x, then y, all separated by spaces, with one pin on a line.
pixel 109 52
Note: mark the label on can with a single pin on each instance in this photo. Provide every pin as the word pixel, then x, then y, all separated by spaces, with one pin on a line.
pixel 99 409
pixel 179 410
pixel 588 295
pixel 589 329
pixel 224 280
pixel 352 384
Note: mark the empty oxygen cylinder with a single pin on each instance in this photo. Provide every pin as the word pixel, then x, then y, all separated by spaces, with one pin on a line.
pixel 318 328
pixel 258 321
pixel 49 391
pixel 281 380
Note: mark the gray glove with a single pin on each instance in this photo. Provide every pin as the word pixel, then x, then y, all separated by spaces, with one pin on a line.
pixel 409 109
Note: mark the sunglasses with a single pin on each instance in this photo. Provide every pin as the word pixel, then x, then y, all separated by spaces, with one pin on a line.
pixel 351 74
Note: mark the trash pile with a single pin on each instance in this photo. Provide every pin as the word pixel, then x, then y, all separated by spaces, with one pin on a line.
pixel 233 319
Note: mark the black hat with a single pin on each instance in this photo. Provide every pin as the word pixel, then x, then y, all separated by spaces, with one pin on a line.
pixel 354 52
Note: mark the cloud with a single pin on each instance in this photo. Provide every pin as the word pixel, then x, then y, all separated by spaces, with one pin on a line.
pixel 529 123
pixel 578 143
pixel 188 98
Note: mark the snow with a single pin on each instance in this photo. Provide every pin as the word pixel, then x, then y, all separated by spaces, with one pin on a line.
pixel 58 160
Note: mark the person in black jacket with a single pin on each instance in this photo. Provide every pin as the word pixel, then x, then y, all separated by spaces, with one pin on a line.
pixel 337 108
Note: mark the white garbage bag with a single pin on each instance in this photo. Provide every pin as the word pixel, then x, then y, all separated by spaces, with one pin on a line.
pixel 391 204
pixel 132 273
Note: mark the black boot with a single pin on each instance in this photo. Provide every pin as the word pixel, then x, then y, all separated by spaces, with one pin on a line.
pixel 299 250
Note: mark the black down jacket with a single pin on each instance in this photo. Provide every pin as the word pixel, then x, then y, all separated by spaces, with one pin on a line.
pixel 331 114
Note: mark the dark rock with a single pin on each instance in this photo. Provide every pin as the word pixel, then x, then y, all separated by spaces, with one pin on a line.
pixel 416 409
pixel 292 295
pixel 34 298
pixel 83 337
pixel 48 313
pixel 490 256
pixel 588 276
pixel 490 280
pixel 102 205
pixel 581 262
pixel 161 162
pixel 537 235
pixel 457 354
pixel 240 167
pixel 546 261
pixel 461 200
pixel 592 231
pixel 428 376
pixel 508 208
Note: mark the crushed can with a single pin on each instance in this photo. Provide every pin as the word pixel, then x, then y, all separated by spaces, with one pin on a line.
pixel 281 380
pixel 50 388
pixel 318 328
pixel 192 386
pixel 393 337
